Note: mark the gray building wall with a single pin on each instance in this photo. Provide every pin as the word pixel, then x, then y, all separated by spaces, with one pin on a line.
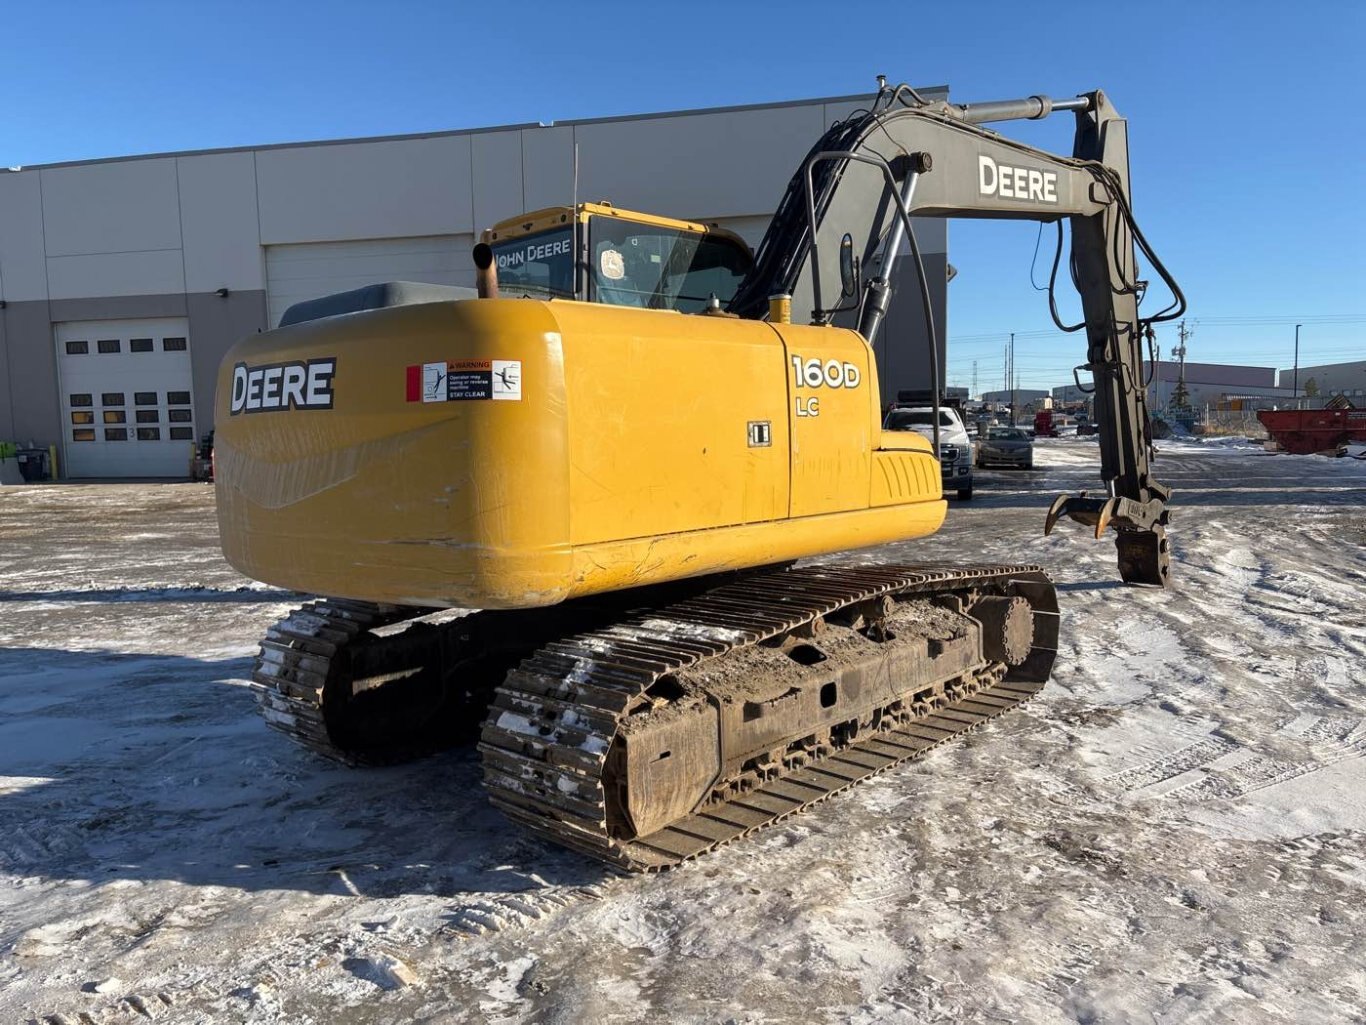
pixel 1206 383
pixel 1331 378
pixel 901 349
pixel 1227 375
pixel 1211 383
pixel 1020 395
pixel 160 235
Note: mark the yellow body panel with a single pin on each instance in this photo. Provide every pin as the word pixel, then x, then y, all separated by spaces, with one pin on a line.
pixel 663 400
pixel 833 424
pixel 643 446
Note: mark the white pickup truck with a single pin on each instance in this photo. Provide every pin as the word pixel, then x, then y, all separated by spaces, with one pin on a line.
pixel 955 448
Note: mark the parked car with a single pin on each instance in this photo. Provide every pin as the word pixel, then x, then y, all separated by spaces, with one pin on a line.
pixel 955 450
pixel 1006 446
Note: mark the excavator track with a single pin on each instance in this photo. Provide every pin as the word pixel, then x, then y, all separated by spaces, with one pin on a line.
pixel 299 656
pixel 550 732
pixel 368 684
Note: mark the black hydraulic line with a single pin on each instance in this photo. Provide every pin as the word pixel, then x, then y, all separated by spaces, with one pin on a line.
pixel 1052 288
pixel 929 326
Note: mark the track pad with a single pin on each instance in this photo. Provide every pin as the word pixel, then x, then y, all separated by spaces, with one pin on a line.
pixel 671 762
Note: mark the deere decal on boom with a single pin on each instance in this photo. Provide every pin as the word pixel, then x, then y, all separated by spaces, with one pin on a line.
pixel 615 452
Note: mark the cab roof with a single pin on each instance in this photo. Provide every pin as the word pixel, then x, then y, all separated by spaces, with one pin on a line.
pixel 551 216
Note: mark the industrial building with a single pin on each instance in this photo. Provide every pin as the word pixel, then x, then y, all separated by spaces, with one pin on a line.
pixel 1208 384
pixel 1205 384
pixel 1021 397
pixel 1328 379
pixel 123 282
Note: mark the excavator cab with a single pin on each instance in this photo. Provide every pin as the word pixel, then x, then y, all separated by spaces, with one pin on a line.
pixel 624 258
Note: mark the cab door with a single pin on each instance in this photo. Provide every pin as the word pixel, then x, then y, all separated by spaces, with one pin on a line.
pixel 832 418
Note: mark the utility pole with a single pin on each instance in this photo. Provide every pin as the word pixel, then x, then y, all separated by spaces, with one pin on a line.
pixel 1297 364
pixel 974 380
pixel 1005 374
pixel 1180 396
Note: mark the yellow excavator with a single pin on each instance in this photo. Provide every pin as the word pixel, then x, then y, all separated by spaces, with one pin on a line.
pixel 616 452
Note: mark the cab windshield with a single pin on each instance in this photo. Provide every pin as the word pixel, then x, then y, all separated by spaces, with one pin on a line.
pixel 653 267
pixel 539 265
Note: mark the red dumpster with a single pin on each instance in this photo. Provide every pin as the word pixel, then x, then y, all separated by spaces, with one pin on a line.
pixel 1304 431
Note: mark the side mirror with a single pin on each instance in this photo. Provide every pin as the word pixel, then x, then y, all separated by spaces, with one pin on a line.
pixel 848 267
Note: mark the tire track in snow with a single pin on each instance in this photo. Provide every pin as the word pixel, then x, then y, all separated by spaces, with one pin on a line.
pixel 1330 739
pixel 1148 775
pixel 486 915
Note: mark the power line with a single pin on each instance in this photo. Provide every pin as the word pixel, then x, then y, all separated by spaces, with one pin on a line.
pixel 1325 319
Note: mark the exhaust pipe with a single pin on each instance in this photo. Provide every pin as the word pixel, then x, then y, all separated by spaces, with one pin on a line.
pixel 485 272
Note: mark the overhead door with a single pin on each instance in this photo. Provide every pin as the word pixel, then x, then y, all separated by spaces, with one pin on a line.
pixel 309 270
pixel 126 397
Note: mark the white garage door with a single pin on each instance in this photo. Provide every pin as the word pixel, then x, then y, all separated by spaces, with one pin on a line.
pixel 126 397
pixel 309 270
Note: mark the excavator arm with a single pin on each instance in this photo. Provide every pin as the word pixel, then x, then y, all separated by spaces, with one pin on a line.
pixel 847 211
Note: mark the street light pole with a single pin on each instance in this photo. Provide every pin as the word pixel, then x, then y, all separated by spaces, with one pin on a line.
pixel 1011 383
pixel 1297 364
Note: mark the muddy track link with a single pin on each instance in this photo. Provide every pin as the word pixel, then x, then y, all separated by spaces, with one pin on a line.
pixel 554 718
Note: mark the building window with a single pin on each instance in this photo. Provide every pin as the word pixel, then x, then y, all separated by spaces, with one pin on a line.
pixel 177 398
pixel 115 416
pixel 116 434
pixel 173 345
pixel 139 345
pixel 110 398
pixel 82 399
pixel 84 434
pixel 108 345
pixel 182 434
pixel 148 416
pixel 144 398
pixel 179 416
pixel 86 417
pixel 77 348
pixel 149 434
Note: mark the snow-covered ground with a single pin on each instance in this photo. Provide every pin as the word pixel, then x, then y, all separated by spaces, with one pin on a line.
pixel 1174 831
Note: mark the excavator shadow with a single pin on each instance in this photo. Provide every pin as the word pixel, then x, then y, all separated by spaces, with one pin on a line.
pixel 150 767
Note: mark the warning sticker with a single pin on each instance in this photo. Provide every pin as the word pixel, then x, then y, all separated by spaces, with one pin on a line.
pixel 461 379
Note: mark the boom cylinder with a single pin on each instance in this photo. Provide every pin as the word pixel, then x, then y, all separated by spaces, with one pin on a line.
pixel 1031 108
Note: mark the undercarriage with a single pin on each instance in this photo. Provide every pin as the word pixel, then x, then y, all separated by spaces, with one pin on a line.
pixel 648 729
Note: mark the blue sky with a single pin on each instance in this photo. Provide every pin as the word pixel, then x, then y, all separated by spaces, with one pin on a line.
pixel 1247 152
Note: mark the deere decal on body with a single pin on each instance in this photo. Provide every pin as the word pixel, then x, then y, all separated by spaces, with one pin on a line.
pixel 268 387
pixel 1008 182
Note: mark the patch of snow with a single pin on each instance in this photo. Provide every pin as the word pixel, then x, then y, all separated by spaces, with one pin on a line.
pixel 1172 830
